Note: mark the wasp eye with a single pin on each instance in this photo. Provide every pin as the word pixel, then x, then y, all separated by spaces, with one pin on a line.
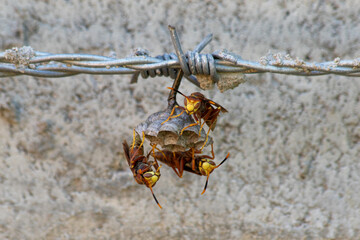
pixel 151 178
pixel 197 105
pixel 148 175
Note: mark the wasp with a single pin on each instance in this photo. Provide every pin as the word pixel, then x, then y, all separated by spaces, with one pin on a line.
pixel 201 108
pixel 141 168
pixel 180 161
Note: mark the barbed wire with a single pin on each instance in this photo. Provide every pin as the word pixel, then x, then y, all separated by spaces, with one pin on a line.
pixel 26 61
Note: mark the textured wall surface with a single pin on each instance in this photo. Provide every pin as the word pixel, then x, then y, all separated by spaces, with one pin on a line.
pixel 294 170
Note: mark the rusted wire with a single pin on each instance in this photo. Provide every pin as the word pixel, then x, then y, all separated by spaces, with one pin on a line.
pixel 26 61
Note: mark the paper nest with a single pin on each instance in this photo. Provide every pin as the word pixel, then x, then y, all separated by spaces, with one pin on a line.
pixel 168 136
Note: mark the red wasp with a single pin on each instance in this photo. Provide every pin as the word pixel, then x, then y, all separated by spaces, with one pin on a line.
pixel 141 168
pixel 180 161
pixel 201 108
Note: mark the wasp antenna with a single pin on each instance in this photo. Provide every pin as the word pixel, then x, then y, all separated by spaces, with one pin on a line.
pixel 227 156
pixel 157 202
pixel 178 92
pixel 207 180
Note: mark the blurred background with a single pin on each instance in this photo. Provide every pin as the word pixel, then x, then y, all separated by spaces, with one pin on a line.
pixel 294 141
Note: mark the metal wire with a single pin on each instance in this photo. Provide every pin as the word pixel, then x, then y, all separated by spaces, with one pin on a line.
pixel 25 61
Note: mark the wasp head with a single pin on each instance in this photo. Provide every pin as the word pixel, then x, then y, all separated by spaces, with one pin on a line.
pixel 151 177
pixel 191 104
pixel 206 166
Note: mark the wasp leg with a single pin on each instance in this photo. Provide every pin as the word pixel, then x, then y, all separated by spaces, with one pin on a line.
pixel 193 159
pixel 181 169
pixel 180 165
pixel 133 143
pixel 176 171
pixel 201 126
pixel 171 115
pixel 212 153
pixel 206 139
pixel 190 125
pixel 176 167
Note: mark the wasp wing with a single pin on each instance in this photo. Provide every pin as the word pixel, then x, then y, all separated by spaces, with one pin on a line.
pixel 222 109
pixel 126 151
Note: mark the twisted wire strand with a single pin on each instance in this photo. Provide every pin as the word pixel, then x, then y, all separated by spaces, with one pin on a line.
pixel 41 64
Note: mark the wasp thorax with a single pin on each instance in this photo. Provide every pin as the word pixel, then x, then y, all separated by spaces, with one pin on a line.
pixel 168 135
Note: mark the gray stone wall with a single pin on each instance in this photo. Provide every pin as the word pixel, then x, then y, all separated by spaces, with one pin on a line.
pixel 294 169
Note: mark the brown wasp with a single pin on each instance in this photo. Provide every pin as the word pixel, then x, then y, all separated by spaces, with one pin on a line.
pixel 201 108
pixel 180 161
pixel 141 168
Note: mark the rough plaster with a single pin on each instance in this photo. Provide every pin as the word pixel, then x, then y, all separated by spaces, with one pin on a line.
pixel 62 172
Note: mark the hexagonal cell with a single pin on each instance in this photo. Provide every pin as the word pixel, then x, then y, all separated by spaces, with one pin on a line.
pixel 168 136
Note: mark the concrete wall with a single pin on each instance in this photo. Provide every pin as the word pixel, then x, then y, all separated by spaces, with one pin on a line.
pixel 62 170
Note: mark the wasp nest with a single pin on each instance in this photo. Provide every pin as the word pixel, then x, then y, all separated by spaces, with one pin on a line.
pixel 168 136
